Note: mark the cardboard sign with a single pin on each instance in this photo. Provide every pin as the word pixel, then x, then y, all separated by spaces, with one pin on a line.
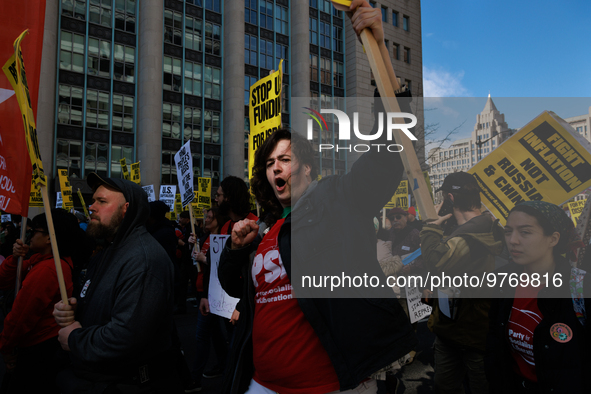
pixel 575 209
pixel 204 186
pixel 546 160
pixel 416 309
pixel 220 302
pixel 135 173
pixel 5 218
pixel 184 171
pixel 400 197
pixel 166 195
pixel 264 111
pixel 196 207
pixel 178 205
pixel 124 169
pixel 150 192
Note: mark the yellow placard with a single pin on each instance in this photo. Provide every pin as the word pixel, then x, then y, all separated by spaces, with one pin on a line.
pixel 575 209
pixel 204 189
pixel 400 197
pixel 135 173
pixel 543 161
pixel 36 199
pixel 428 182
pixel 66 189
pixel 197 208
pixel 14 69
pixel 264 111
pixel 124 169
pixel 83 204
pixel 178 205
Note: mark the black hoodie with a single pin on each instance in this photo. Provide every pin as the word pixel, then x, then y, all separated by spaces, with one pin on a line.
pixel 125 305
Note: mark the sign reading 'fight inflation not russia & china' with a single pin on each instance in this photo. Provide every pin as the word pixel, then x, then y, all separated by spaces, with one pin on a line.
pixel 546 160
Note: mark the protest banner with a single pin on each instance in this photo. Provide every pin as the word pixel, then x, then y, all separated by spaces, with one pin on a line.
pixel 5 217
pixel 220 303
pixel 150 192
pixel 66 189
pixel 264 111
pixel 416 309
pixel 184 171
pixel 196 207
pixel 166 195
pixel 135 173
pixel 400 197
pixel 35 199
pixel 575 209
pixel 83 204
pixel 545 160
pixel 124 169
pixel 204 187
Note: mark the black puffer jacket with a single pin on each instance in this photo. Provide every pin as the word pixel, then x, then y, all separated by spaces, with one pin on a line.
pixel 330 230
pixel 560 367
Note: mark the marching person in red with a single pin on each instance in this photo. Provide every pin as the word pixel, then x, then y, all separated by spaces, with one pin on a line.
pixel 29 342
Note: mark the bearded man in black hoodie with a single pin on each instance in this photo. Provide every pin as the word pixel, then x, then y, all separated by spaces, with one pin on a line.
pixel 118 328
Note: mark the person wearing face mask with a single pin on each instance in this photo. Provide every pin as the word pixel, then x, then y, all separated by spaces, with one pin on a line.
pixel 540 339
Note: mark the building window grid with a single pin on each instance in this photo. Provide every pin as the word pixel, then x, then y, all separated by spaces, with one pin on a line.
pixel 407 55
pixel 123 112
pixel 193 33
pixel 250 11
pixel 213 5
pixel 192 124
pixel 99 57
pixel 250 50
pixel 266 14
pixel 213 38
pixel 173 27
pixel 171 120
pixel 70 105
pixel 406 23
pixel 96 158
pixel 124 63
pixel 74 8
pixel 281 20
pixel 337 39
pixel 281 52
pixel 168 176
pixel 172 74
pixel 125 15
pixel 212 83
pixel 248 82
pixel 325 74
pixel 384 14
pixel 211 127
pixel 314 68
pixel 313 31
pixel 71 51
pixel 266 51
pixel 117 153
pixel 97 109
pixel 193 78
pixel 394 18
pixel 325 35
pixel 100 12
pixel 69 157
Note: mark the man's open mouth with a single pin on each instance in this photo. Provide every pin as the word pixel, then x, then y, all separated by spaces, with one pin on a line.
pixel 280 183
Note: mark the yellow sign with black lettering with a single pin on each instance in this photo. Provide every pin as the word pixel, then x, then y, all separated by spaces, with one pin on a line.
pixel 66 189
pixel 36 199
pixel 264 111
pixel 124 169
pixel 204 188
pixel 543 161
pixel 83 204
pixel 576 208
pixel 197 208
pixel 135 173
pixel 14 69
pixel 400 197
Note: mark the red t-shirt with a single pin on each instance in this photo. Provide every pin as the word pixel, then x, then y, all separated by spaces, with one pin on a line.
pixel 525 317
pixel 227 227
pixel 288 355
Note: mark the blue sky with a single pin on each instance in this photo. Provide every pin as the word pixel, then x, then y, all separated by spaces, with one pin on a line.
pixel 518 48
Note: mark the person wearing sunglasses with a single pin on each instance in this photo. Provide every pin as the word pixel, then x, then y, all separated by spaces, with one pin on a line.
pixel 405 239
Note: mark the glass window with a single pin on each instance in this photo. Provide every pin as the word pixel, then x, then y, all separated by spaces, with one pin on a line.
pixel 213 5
pixel 396 51
pixel 193 33
pixel 314 68
pixel 384 14
pixel 325 35
pixel 125 15
pixel 281 20
pixel 172 74
pixel 250 50
pixel 212 38
pixel 173 25
pixel 338 77
pixel 325 74
pixel 100 12
pixel 193 78
pixel 72 52
pixel 97 109
pixel 168 168
pixel 74 8
pixel 124 66
pixel 281 52
pixel 212 83
pixel 69 157
pixel 211 126
pixel 407 55
pixel 266 14
pixel 266 54
pixel 248 82
pixel 70 105
pixel 99 57
pixel 395 18
pixel 406 23
pixel 192 124
pixel 313 31
pixel 337 39
pixel 250 11
pixel 123 113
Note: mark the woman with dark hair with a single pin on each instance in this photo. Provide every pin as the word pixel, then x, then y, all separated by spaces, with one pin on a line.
pixel 539 340
pixel 29 342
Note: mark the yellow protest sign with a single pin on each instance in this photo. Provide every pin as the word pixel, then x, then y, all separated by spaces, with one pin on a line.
pixel 575 209
pixel 204 188
pixel 428 182
pixel 197 208
pixel 14 69
pixel 35 200
pixel 124 169
pixel 543 161
pixel 83 204
pixel 135 173
pixel 178 204
pixel 400 197
pixel 264 111
pixel 66 189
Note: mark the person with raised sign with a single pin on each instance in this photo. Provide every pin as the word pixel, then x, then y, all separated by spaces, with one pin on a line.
pixel 540 339
pixel 304 345
pixel 118 329
pixel 461 241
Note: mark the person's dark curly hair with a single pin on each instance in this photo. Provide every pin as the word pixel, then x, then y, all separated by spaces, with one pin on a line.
pixel 237 195
pixel 301 149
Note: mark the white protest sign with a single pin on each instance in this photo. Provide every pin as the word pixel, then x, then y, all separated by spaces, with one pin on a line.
pixel 220 302
pixel 150 192
pixel 167 193
pixel 6 218
pixel 416 309
pixel 184 173
pixel 59 202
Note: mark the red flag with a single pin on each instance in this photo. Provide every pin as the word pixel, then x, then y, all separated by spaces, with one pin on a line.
pixel 15 163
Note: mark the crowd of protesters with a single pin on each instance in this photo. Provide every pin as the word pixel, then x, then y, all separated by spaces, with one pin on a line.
pixel 127 270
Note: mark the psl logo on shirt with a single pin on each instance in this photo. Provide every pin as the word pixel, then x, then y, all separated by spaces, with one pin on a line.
pixel 271 261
